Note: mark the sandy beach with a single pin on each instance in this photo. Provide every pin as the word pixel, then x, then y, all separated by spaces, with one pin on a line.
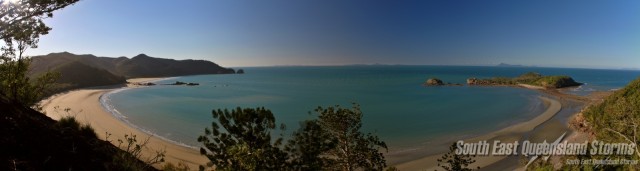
pixel 85 106
pixel 545 126
pixel 508 134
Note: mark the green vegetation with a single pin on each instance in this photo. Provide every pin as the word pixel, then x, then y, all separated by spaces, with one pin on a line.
pixel 78 71
pixel 21 89
pixel 245 143
pixel 32 141
pixel 21 26
pixel 70 122
pixel 354 150
pixel 530 78
pixel 138 66
pixel 454 162
pixel 172 167
pixel 307 146
pixel 241 140
pixel 76 75
pixel 129 157
pixel 617 119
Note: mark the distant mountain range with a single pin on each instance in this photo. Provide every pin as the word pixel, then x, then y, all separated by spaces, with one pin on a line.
pixel 509 65
pixel 89 70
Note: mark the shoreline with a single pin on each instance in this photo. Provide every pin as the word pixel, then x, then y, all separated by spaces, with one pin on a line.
pixel 532 129
pixel 86 106
pixel 104 101
pixel 510 133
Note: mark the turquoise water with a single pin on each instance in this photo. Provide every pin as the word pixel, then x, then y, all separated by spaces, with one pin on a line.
pixel 395 105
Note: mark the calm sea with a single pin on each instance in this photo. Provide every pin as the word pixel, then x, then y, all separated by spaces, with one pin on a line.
pixel 395 104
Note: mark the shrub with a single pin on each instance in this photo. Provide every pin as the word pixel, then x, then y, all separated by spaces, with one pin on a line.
pixel 180 167
pixel 69 122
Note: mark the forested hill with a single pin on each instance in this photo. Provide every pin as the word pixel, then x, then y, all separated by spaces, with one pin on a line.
pixel 89 70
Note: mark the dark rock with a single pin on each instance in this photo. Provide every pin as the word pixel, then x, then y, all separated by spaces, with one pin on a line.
pixel 472 81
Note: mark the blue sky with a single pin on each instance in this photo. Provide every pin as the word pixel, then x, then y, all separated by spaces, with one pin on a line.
pixel 567 33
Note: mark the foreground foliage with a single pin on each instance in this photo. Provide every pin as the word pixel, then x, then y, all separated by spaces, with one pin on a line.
pixel 241 140
pixel 455 162
pixel 244 142
pixel 32 141
pixel 617 120
pixel 131 154
pixel 21 25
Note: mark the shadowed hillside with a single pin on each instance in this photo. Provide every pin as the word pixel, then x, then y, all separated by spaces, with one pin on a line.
pixel 32 141
pixel 76 74
pixel 145 66
pixel 138 66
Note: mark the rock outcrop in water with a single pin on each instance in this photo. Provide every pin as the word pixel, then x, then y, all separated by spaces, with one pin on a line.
pixel 438 82
pixel 184 83
pixel 433 82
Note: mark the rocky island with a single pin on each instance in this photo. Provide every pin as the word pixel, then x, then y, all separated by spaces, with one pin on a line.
pixel 433 82
pixel 530 79
pixel 438 82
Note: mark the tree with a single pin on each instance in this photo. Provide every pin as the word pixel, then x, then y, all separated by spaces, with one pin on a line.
pixel 21 25
pixel 244 141
pixel 333 141
pixel 455 162
pixel 354 149
pixel 308 146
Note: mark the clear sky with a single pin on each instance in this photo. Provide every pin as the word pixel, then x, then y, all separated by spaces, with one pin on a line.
pixel 557 33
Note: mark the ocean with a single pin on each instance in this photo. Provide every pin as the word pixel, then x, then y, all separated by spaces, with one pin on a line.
pixel 395 105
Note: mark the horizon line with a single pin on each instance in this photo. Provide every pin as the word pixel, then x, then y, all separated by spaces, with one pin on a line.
pixel 460 65
pixel 373 64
